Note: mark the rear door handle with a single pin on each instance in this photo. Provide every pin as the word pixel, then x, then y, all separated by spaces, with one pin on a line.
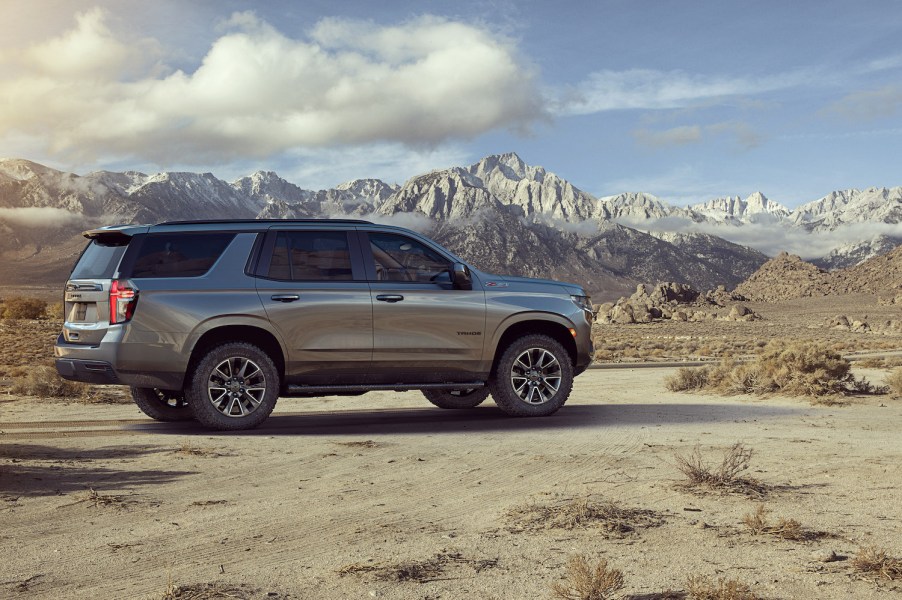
pixel 285 297
pixel 392 298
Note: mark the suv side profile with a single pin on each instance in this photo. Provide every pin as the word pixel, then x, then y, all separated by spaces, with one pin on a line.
pixel 215 320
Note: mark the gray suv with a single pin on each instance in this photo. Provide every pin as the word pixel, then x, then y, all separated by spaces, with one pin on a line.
pixel 215 320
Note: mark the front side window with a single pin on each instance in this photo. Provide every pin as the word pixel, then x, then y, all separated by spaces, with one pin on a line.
pixel 310 256
pixel 400 258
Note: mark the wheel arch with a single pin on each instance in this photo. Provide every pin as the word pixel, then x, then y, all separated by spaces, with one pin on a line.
pixel 534 323
pixel 251 334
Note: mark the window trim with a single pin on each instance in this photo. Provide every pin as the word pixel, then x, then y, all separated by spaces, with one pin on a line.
pixel 269 243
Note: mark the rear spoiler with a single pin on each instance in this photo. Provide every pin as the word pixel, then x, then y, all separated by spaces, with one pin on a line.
pixel 114 232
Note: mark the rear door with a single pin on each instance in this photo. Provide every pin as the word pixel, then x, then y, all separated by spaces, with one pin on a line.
pixel 424 330
pixel 87 295
pixel 313 287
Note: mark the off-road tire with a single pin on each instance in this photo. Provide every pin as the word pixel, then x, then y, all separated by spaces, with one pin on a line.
pixel 162 405
pixel 218 386
pixel 457 399
pixel 532 352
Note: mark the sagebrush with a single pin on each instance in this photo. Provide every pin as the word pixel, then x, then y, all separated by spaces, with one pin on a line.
pixel 781 367
pixel 725 477
pixel 894 382
pixel 699 587
pixel 585 582
pixel 19 307
pixel 43 382
pixel 877 562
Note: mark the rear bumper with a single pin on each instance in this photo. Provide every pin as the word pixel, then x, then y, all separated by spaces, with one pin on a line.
pixel 88 371
pixel 101 365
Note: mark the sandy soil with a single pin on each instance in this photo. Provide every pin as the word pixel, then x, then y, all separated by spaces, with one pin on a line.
pixel 384 496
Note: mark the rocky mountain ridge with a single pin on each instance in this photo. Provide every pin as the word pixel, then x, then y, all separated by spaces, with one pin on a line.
pixel 500 212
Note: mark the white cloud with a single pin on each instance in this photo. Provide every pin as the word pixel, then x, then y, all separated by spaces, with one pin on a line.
pixel 39 216
pixel 652 89
pixel 866 105
pixel 676 136
pixel 258 93
pixel 744 136
pixel 771 238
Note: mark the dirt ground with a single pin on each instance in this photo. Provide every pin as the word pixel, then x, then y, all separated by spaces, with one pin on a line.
pixel 385 496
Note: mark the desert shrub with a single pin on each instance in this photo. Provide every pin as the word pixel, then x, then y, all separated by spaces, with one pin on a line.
pixel 688 378
pixel 894 381
pixel 44 382
pixel 19 307
pixel 793 369
pixel 585 582
pixel 57 311
pixel 700 587
pixel 725 477
pixel 758 523
pixel 875 561
pixel 578 513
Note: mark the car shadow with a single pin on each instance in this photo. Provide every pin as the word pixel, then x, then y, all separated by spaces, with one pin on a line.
pixel 39 470
pixel 412 421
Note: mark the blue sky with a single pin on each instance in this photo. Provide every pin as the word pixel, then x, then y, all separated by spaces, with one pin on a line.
pixel 684 100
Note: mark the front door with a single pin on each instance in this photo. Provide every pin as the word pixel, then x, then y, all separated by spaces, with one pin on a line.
pixel 424 330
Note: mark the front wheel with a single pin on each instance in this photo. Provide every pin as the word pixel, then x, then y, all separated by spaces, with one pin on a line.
pixel 162 405
pixel 533 377
pixel 234 386
pixel 469 398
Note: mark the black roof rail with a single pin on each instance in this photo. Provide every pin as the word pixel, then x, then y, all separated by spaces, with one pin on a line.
pixel 248 221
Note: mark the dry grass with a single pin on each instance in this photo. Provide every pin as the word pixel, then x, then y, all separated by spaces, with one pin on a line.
pixel 44 382
pixel 894 382
pixel 876 562
pixel 19 307
pixel 579 513
pixel 189 448
pixel 419 571
pixel 687 379
pixel 781 367
pixel 360 444
pixel 725 477
pixel 758 523
pixel 585 582
pixel 700 587
pixel 96 499
pixel 206 591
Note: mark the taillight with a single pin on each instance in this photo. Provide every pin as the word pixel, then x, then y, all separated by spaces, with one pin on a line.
pixel 123 298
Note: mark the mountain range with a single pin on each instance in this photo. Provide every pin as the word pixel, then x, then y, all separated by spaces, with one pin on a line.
pixel 500 213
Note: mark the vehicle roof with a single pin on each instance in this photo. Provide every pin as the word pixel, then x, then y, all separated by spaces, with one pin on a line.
pixel 227 225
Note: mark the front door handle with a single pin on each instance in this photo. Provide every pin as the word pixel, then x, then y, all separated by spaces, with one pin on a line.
pixel 285 297
pixel 392 298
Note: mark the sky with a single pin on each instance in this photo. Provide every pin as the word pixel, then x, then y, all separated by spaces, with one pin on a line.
pixel 684 100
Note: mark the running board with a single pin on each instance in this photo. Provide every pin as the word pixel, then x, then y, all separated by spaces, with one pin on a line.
pixel 309 390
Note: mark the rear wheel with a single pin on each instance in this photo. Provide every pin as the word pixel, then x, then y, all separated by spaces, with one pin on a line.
pixel 533 377
pixel 469 398
pixel 234 386
pixel 162 405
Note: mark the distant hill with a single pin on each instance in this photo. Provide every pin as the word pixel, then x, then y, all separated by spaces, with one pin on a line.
pixel 786 276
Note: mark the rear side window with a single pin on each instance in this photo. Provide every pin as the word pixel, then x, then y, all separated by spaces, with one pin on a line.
pixel 179 254
pixel 100 259
pixel 311 256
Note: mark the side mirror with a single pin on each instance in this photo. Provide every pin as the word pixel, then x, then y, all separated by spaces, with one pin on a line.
pixel 460 276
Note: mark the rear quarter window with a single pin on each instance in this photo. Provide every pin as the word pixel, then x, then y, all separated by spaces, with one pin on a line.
pixel 100 259
pixel 179 254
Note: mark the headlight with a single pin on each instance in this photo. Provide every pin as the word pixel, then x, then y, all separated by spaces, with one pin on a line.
pixel 584 302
